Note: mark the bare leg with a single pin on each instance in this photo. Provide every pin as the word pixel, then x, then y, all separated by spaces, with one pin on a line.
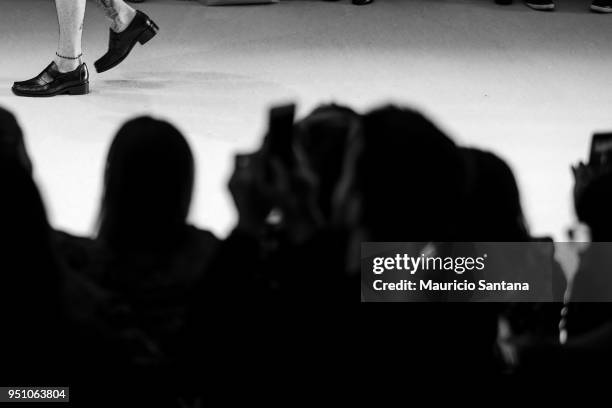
pixel 70 15
pixel 119 12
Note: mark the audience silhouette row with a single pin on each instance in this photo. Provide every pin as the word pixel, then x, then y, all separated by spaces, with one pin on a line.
pixel 152 298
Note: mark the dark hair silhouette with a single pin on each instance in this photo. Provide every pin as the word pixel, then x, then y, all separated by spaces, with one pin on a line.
pixel 147 186
pixel 323 136
pixel 412 178
pixel 594 205
pixel 493 211
pixel 12 146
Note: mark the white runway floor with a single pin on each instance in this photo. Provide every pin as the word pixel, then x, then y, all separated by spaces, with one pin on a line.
pixel 530 86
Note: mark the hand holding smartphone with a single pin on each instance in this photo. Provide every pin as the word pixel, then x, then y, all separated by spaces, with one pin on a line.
pixel 279 139
pixel 601 151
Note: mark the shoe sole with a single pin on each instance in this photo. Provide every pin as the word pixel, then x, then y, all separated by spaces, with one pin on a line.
pixel 82 89
pixel 598 9
pixel 143 38
pixel 541 7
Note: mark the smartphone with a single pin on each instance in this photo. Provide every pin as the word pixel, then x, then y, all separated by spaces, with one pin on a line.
pixel 280 132
pixel 601 150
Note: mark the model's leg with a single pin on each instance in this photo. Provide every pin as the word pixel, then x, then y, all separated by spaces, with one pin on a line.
pixel 70 15
pixel 119 12
pixel 67 74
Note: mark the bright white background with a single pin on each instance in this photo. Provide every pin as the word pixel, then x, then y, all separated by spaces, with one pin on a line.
pixel 530 86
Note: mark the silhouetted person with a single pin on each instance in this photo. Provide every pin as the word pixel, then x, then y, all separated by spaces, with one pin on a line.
pixel 494 214
pixel 30 284
pixel 287 280
pixel 31 272
pixel 38 290
pixel 145 257
pixel 302 192
pixel 412 181
pixel 589 315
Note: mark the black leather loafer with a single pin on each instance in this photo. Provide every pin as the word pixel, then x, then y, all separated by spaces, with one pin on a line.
pixel 51 82
pixel 140 30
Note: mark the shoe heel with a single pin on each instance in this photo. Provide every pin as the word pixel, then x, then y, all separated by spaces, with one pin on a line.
pixel 79 90
pixel 149 33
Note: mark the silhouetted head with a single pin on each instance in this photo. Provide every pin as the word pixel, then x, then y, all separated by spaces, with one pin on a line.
pixel 493 211
pixel 323 137
pixel 147 186
pixel 411 176
pixel 594 207
pixel 11 140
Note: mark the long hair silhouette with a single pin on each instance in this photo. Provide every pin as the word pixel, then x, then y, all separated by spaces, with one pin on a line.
pixel 148 186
